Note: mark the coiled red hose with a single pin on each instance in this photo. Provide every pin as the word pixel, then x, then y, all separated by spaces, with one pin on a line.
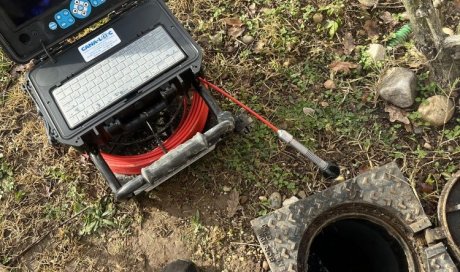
pixel 193 121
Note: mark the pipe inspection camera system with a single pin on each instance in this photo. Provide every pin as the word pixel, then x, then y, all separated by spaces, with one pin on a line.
pixel 129 93
pixel 126 94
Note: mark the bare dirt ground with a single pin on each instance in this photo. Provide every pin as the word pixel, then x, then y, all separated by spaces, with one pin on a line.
pixel 57 214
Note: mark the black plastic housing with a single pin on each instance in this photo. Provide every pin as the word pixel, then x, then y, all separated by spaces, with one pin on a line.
pixel 130 25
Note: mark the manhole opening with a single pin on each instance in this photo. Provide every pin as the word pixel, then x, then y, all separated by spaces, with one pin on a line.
pixel 356 245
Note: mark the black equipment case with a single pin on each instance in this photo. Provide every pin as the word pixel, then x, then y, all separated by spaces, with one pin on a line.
pixel 48 32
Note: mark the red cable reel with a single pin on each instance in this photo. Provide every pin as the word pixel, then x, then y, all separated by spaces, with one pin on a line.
pixel 193 121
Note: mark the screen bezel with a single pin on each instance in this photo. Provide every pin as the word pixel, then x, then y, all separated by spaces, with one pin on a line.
pixel 18 25
pixel 28 41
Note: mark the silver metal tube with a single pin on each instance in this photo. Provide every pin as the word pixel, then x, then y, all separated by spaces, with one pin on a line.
pixel 289 139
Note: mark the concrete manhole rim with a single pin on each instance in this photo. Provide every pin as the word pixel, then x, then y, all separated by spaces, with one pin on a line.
pixel 326 220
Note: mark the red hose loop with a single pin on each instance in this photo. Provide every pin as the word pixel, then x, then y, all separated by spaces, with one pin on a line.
pixel 193 121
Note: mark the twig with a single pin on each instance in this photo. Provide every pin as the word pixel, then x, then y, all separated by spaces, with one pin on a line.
pixel 27 249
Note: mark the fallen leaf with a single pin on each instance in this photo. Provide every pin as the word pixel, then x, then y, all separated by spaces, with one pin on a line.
pixel 236 32
pixel 233 203
pixel 259 46
pixel 21 68
pixel 342 66
pixel 329 84
pixel 233 22
pixel 388 19
pixel 309 111
pixel 348 43
pixel 372 29
pixel 457 5
pixel 397 114
pixel 426 188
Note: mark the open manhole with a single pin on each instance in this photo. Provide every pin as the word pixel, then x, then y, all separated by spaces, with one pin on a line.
pixel 357 238
pixel 372 223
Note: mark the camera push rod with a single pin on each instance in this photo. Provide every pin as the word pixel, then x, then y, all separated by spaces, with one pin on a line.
pixel 328 169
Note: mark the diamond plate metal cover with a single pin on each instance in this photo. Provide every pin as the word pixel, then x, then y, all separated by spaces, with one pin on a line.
pixel 281 231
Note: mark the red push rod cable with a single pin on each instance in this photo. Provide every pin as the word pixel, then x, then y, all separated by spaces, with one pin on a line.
pixel 193 121
pixel 328 169
pixel 239 103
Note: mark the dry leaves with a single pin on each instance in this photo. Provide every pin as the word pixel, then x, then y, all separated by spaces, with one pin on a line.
pixel 372 28
pixel 397 114
pixel 235 32
pixel 21 68
pixel 236 27
pixel 457 5
pixel 388 19
pixel 342 66
pixel 259 47
pixel 235 22
pixel 233 203
pixel 329 84
pixel 348 43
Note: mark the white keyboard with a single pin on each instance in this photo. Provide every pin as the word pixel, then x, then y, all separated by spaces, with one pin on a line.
pixel 114 77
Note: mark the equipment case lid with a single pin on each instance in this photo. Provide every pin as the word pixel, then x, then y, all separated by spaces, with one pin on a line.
pixel 29 28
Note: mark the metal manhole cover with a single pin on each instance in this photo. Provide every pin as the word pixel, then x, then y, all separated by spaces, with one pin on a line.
pixel 281 232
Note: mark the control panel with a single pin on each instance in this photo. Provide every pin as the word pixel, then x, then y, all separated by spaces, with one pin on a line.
pixel 78 10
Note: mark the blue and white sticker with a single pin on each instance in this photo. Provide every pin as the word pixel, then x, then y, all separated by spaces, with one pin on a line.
pixel 99 45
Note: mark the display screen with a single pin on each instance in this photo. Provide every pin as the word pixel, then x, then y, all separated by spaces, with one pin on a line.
pixel 21 11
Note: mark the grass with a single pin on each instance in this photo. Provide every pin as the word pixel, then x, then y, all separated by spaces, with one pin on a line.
pixel 279 74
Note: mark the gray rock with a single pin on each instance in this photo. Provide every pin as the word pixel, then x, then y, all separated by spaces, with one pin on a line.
pixel 437 110
pixel 398 86
pixel 376 52
pixel 275 200
pixel 290 201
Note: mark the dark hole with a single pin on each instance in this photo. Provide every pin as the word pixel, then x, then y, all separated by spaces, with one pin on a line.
pixel 355 245
pixel 24 38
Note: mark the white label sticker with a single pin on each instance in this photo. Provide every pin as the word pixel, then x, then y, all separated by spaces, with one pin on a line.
pixel 99 45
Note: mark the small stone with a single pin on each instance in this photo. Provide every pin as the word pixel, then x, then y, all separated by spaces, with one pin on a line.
pixel 265 266
pixel 448 31
pixel 275 200
pixel 247 39
pixel 227 189
pixel 369 3
pixel 318 18
pixel 376 52
pixel 329 84
pixel 398 86
pixel 290 201
pixel 263 198
pixel 437 110
pixel 302 195
pixel 427 146
pixel 309 111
